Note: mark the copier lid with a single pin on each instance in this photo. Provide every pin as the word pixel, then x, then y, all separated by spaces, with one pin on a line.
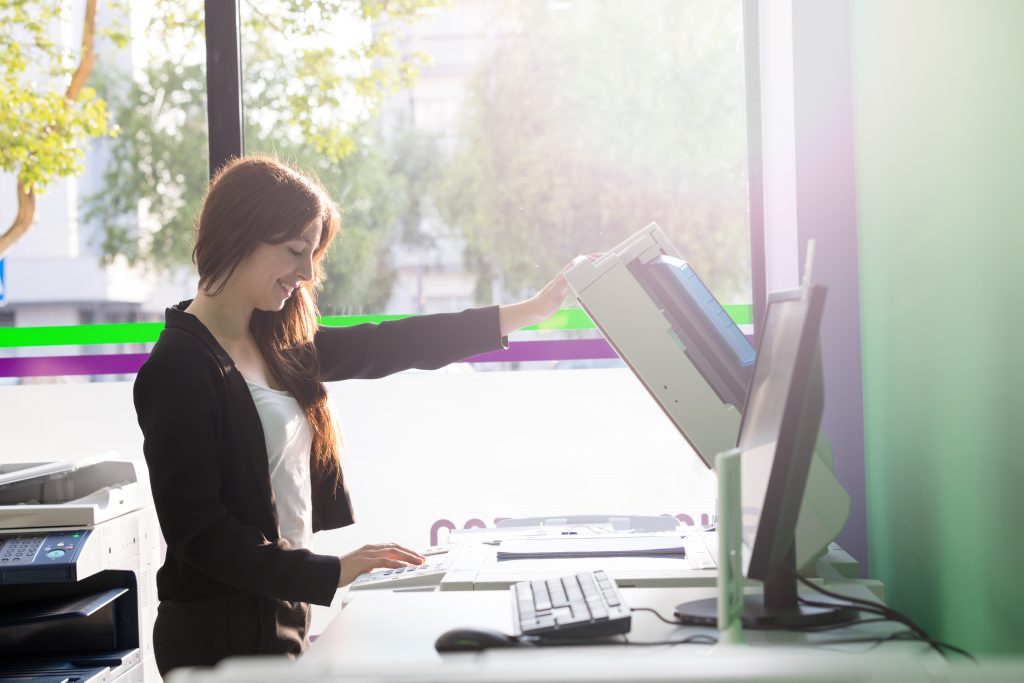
pixel 82 492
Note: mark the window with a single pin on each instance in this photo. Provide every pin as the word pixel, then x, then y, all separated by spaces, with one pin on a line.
pixel 476 146
pixel 111 234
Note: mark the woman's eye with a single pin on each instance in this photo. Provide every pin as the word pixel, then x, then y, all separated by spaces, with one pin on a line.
pixel 294 252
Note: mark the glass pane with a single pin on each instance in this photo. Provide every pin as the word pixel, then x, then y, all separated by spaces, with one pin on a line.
pixel 110 234
pixel 476 146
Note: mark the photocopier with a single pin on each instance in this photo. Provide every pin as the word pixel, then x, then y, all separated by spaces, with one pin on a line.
pixel 79 550
pixel 667 326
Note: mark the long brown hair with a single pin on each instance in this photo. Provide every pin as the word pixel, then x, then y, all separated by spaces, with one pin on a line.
pixel 258 199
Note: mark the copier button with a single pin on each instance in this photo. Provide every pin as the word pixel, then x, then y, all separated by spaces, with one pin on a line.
pixel 54 554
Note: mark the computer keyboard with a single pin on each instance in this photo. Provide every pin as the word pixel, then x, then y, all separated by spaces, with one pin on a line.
pixel 584 605
pixel 413 576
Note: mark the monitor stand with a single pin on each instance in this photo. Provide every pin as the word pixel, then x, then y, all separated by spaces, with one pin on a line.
pixel 778 606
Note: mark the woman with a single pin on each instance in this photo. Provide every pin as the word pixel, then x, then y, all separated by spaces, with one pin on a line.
pixel 239 439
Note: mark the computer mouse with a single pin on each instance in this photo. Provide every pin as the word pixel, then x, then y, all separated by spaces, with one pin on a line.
pixel 473 640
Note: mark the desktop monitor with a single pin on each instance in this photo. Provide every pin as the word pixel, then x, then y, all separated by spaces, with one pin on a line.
pixel 777 435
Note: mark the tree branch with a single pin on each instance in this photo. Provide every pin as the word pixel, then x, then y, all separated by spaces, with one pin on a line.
pixel 88 58
pixel 26 197
pixel 22 222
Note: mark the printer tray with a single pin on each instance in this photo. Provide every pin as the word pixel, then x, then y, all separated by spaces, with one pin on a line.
pixel 88 621
pixel 88 668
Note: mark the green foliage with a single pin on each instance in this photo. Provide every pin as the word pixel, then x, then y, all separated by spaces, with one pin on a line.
pixel 157 171
pixel 314 71
pixel 579 129
pixel 43 134
pixel 306 100
pixel 589 124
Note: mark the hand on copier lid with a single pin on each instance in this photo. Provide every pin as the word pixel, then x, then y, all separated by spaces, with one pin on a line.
pixel 540 306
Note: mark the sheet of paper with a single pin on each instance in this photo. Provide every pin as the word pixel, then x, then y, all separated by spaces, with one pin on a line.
pixel 494 534
pixel 592 546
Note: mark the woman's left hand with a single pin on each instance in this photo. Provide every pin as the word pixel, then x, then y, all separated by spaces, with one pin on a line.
pixel 540 306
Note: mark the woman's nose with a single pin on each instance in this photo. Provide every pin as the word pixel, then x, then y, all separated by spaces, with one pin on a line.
pixel 306 270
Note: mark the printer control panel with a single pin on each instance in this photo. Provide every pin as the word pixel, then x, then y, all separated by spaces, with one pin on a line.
pixel 22 555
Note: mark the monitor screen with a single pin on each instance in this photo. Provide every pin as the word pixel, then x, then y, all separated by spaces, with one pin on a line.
pixel 780 424
pixel 762 417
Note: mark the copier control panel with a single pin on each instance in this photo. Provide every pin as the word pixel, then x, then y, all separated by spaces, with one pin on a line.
pixel 40 557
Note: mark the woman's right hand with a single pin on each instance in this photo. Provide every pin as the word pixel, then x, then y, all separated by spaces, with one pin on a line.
pixel 374 557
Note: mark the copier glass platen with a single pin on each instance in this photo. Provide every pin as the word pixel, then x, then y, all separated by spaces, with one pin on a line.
pixel 79 547
pixel 655 312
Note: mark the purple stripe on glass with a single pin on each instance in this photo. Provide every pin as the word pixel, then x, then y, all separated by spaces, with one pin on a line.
pixel 555 349
pixel 129 363
pixel 51 366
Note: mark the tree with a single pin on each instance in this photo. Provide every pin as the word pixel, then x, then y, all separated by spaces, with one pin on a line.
pixel 306 100
pixel 47 113
pixel 582 126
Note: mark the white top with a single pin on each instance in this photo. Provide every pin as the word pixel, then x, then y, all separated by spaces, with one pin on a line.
pixel 289 438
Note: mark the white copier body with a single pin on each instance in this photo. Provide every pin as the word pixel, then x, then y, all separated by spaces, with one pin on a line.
pixel 644 338
pixel 79 550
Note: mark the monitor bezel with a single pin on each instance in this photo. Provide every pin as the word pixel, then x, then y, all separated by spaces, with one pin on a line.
pixel 776 528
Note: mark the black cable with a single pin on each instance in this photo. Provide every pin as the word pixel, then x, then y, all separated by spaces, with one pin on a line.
pixel 868 606
pixel 880 609
pixel 960 651
pixel 833 627
pixel 860 608
pixel 696 639
pixel 892 615
pixel 657 614
pixel 846 599
pixel 886 613
pixel 877 640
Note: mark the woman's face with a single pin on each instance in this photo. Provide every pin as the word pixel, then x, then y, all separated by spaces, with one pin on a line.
pixel 272 272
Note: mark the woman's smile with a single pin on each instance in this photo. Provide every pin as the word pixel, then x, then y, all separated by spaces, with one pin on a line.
pixel 285 288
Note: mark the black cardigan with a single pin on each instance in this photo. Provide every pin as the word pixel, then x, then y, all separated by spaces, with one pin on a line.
pixel 207 458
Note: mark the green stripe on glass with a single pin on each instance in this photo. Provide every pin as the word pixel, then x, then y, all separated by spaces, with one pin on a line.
pixel 741 314
pixel 142 333
pixel 350 320
pixel 80 335
pixel 577 318
pixel 566 319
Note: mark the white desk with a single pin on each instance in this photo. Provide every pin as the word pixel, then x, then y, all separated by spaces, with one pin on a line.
pixel 401 627
pixel 389 636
